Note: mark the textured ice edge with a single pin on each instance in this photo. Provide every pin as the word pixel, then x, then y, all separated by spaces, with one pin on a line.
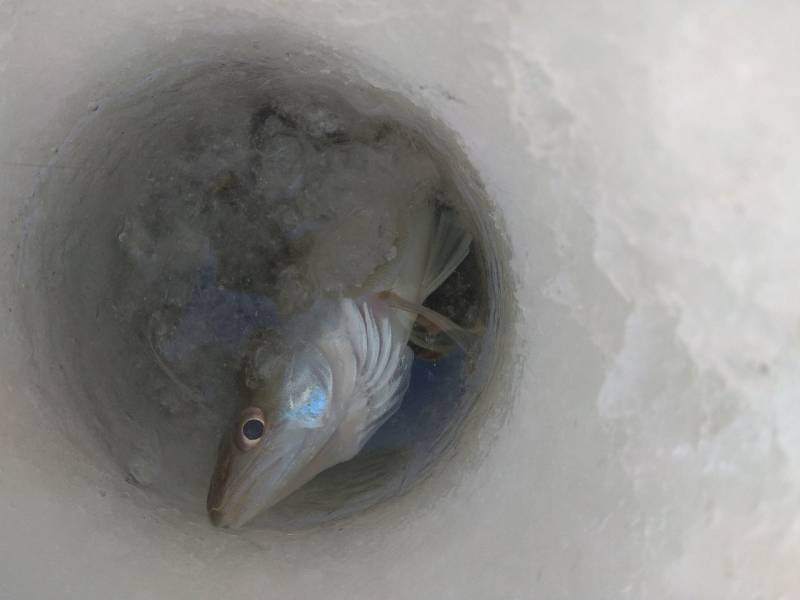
pixel 685 137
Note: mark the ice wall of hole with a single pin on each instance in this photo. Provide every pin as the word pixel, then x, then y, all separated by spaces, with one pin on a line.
pixel 200 207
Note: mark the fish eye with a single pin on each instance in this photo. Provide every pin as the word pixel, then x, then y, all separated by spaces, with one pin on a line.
pixel 251 428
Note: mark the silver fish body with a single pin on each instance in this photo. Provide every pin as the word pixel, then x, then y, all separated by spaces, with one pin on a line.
pixel 342 375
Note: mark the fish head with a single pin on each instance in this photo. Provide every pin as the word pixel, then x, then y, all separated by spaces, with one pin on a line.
pixel 274 444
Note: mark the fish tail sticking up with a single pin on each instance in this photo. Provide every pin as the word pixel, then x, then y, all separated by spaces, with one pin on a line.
pixel 448 248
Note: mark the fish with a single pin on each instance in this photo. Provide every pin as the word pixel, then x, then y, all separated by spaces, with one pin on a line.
pixel 337 373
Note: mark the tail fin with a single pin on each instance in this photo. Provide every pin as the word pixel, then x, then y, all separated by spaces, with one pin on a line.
pixel 449 246
pixel 431 243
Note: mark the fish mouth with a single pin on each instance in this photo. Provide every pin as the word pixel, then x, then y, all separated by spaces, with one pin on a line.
pixel 216 516
pixel 229 488
pixel 245 482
